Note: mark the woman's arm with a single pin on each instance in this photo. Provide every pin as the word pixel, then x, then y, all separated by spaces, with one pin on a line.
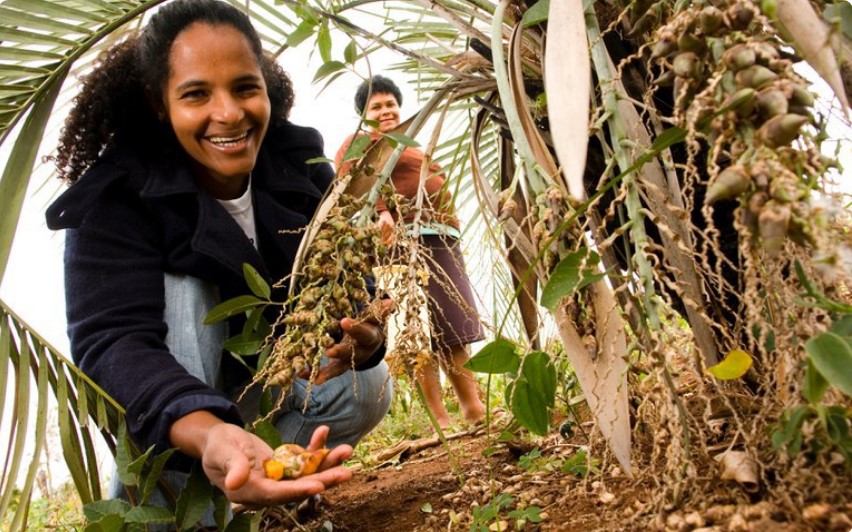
pixel 115 304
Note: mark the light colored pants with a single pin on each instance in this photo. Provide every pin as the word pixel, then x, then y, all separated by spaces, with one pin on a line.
pixel 351 405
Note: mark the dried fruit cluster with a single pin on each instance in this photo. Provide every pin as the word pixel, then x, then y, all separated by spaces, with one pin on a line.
pixel 409 332
pixel 291 461
pixel 330 286
pixel 552 213
pixel 735 90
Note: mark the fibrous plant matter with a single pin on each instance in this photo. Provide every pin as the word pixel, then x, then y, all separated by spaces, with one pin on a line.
pixel 330 284
pixel 738 97
pixel 409 330
pixel 752 178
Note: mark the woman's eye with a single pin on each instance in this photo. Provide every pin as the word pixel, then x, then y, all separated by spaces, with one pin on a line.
pixel 248 89
pixel 192 95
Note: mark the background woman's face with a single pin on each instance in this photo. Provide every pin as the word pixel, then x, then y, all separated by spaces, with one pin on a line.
pixel 217 104
pixel 384 109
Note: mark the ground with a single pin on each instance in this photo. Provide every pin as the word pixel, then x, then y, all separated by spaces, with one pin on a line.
pixel 418 486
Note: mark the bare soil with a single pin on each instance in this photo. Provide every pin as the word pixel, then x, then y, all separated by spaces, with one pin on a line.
pixel 419 487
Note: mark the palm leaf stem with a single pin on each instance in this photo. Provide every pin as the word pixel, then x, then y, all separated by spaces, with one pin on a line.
pixel 59 358
pixel 454 19
pixel 604 71
pixel 537 182
pixel 40 369
pixel 619 139
pixel 16 174
pixel 348 25
pixel 20 417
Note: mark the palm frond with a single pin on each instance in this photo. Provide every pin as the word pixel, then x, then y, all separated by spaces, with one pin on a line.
pixel 51 37
pixel 43 379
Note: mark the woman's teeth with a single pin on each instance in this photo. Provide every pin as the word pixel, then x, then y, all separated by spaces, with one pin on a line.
pixel 227 141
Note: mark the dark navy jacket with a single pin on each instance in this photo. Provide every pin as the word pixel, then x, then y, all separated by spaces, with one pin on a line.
pixel 128 222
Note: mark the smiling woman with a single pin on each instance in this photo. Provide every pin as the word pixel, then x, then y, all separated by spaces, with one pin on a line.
pixel 217 104
pixel 184 167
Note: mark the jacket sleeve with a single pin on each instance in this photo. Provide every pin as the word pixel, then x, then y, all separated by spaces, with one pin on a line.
pixel 114 304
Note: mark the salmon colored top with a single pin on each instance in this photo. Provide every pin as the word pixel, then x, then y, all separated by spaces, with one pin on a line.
pixel 438 203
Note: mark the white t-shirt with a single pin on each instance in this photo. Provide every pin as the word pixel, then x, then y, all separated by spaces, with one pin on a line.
pixel 242 210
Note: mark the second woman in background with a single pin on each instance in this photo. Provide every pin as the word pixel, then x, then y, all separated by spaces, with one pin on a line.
pixel 452 309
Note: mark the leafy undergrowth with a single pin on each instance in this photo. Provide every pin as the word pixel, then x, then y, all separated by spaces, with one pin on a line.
pixel 60 509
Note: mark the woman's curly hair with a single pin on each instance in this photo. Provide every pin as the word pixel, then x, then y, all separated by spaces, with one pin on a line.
pixel 114 106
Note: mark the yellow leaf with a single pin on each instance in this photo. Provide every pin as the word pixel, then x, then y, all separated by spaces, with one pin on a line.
pixel 734 365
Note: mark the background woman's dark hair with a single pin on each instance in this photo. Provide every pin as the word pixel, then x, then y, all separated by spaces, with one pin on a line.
pixel 113 107
pixel 376 85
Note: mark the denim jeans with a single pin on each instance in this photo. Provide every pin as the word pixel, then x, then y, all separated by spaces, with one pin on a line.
pixel 351 404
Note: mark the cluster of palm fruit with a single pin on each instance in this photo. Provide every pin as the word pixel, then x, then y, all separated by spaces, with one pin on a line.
pixel 331 285
pixel 411 334
pixel 735 90
pixel 550 229
pixel 404 280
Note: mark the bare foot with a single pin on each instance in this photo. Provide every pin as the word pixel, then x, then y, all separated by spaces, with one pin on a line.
pixel 445 425
pixel 474 413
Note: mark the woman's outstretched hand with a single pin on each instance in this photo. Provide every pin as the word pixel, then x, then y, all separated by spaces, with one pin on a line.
pixel 233 459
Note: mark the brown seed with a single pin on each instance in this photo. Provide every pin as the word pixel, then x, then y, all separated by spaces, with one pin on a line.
pixel 801 96
pixel 781 130
pixel 709 20
pixel 755 76
pixel 771 103
pixel 665 79
pixel 739 16
pixel 738 57
pixel 646 22
pixel 729 183
pixel 687 65
pixel 765 51
pixel 741 101
pixel 666 45
pixel 772 224
pixel 688 42
pixel 756 202
pixel 761 175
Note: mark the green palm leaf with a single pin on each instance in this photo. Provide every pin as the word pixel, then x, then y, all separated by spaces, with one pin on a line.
pixel 39 374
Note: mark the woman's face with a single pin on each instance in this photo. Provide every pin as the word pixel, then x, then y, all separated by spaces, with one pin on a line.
pixel 217 104
pixel 384 109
